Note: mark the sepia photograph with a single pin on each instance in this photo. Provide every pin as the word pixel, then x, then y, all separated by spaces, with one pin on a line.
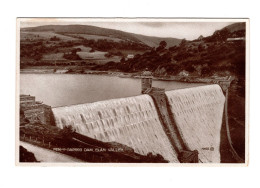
pixel 132 91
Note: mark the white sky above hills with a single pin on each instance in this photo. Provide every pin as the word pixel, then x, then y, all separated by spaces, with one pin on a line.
pixel 189 29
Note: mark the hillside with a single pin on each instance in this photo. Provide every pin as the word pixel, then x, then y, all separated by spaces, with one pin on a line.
pixel 155 41
pixel 67 44
pixel 235 27
pixel 101 32
pixel 51 45
pixel 105 48
pixel 215 55
pixel 82 29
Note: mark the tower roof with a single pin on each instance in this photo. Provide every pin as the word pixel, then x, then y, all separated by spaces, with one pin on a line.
pixel 147 73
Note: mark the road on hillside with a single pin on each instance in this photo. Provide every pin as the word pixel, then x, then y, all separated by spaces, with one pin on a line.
pixel 45 155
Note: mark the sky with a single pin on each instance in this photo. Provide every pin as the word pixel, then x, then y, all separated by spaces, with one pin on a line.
pixel 188 29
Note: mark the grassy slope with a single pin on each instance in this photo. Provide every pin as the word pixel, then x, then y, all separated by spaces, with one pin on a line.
pixel 155 41
pixel 93 31
pixel 44 35
pixel 95 37
pixel 235 27
pixel 53 56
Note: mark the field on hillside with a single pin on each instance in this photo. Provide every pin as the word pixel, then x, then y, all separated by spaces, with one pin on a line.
pixel 53 56
pixel 97 57
pixel 83 48
pixel 92 55
pixel 116 59
pixel 155 41
pixel 44 35
pixel 95 37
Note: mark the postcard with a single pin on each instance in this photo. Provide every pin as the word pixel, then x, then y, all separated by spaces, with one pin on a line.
pixel 132 92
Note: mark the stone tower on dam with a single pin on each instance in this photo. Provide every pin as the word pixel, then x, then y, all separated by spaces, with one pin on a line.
pixel 146 81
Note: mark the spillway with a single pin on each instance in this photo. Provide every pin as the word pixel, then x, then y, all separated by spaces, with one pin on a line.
pixel 130 121
pixel 197 113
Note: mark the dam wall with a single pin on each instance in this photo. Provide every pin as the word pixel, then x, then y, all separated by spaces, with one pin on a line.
pixel 132 121
pixel 198 113
pixel 175 123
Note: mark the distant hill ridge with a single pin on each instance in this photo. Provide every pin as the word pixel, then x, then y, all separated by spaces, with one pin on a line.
pixel 93 30
pixel 236 27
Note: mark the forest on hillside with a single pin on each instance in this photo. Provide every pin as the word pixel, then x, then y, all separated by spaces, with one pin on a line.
pixel 209 56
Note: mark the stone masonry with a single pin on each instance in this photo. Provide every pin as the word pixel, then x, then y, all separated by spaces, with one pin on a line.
pixel 34 111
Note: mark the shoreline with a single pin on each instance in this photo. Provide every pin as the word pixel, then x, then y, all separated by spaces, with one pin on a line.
pixel 189 79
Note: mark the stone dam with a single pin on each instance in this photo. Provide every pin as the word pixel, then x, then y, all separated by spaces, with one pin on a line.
pixel 180 125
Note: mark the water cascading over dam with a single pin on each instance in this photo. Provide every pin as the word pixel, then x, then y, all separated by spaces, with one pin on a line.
pixel 197 113
pixel 167 123
pixel 130 121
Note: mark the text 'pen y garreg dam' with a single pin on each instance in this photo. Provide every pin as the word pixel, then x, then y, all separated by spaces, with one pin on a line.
pixel 181 125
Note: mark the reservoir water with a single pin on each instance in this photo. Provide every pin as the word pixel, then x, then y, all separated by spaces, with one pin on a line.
pixel 67 89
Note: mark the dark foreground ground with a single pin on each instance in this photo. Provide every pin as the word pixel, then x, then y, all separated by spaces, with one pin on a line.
pixel 78 146
pixel 236 118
